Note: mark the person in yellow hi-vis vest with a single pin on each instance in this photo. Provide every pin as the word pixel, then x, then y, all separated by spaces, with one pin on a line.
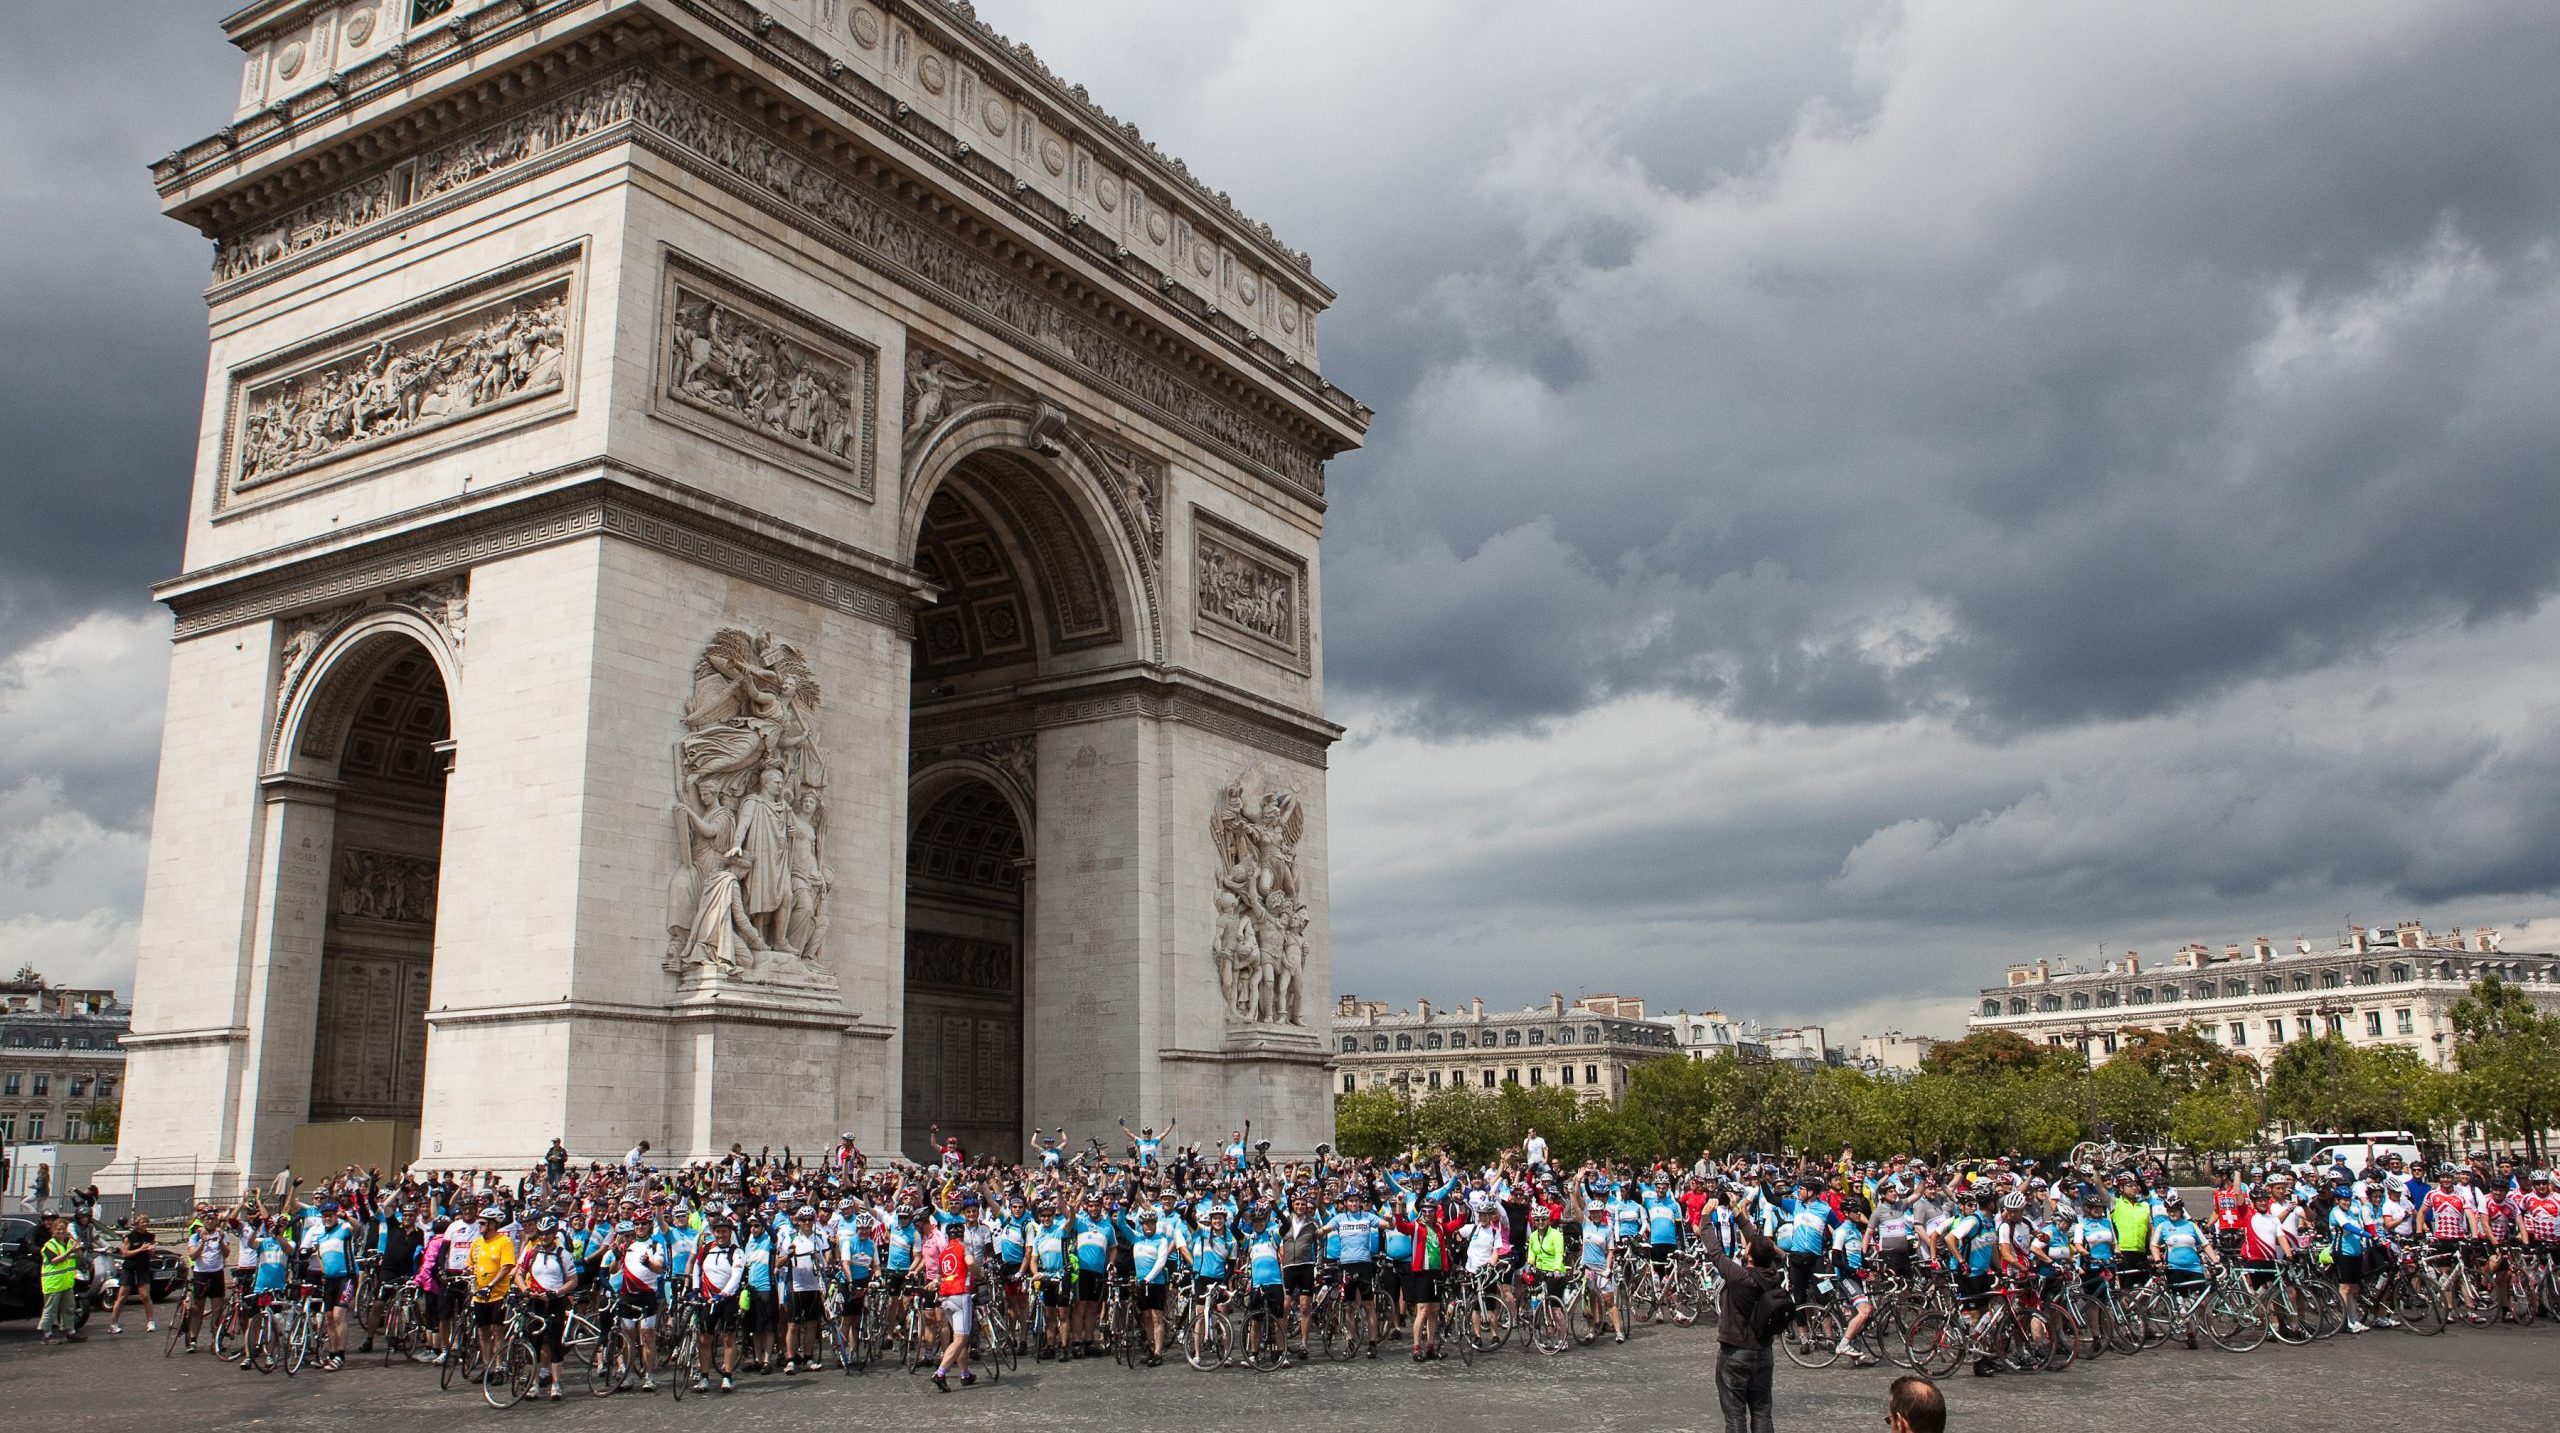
pixel 60 1271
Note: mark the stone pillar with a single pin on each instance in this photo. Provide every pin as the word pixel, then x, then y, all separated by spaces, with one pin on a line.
pixel 292 912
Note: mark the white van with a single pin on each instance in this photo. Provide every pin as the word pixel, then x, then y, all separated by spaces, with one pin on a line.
pixel 2358 1150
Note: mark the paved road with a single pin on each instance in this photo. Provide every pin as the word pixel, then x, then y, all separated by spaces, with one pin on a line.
pixel 1662 1380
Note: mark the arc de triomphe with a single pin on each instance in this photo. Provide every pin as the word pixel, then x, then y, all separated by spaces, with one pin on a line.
pixel 751 573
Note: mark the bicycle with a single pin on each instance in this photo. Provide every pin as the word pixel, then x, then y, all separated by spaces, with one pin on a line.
pixel 1548 1315
pixel 1205 1335
pixel 508 1378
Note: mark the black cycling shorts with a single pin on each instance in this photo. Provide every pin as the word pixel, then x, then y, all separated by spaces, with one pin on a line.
pixel 1298 1278
pixel 1266 1299
pixel 1089 1286
pixel 489 1313
pixel 1355 1280
pixel 1422 1286
pixel 807 1305
pixel 1054 1292
pixel 721 1315
pixel 208 1284
pixel 1151 1297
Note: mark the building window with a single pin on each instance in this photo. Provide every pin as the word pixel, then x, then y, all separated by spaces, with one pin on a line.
pixel 35 1129
pixel 2049 1002
pixel 1489 1040
pixel 1590 1034
pixel 2275 1032
pixel 1568 1074
pixel 1378 1042
pixel 2018 1006
pixel 2168 994
pixel 1431 1042
pixel 71 1129
pixel 1511 1076
pixel 1537 1075
pixel 1488 1079
pixel 2399 974
pixel 2109 1042
pixel 1404 1042
pixel 1350 1044
pixel 2106 999
pixel 1564 1034
pixel 79 1087
pixel 1350 1083
pixel 1510 1037
pixel 1537 1037
pixel 8 1084
pixel 2373 1022
pixel 2337 1024
pixel 2403 1023
pixel 2367 975
pixel 8 1128
pixel 1990 1007
pixel 2301 980
pixel 2142 995
pixel 44 1084
pixel 1435 1079
pixel 1591 1074
pixel 1458 1079
pixel 2079 1001
pixel 2239 1033
pixel 2329 980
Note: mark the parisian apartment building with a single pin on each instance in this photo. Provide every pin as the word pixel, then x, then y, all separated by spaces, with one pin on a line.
pixel 60 1058
pixel 2377 986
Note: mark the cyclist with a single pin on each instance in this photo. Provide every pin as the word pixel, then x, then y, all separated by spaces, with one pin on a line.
pixel 1268 1300
pixel 1545 1258
pixel 644 1266
pixel 1301 1237
pixel 134 1253
pixel 762 1312
pixel 1090 1233
pixel 331 1247
pixel 803 1252
pixel 1599 1242
pixel 856 1262
pixel 720 1276
pixel 2181 1249
pixel 208 1254
pixel 1050 1234
pixel 1487 1247
pixel 1148 1144
pixel 1151 1262
pixel 1804 1236
pixel 1849 1259
pixel 551 1275
pixel 274 1272
pixel 1357 1227
pixel 951 1264
pixel 493 1272
pixel 2131 1215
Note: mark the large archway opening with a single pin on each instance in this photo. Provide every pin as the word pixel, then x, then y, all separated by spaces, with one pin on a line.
pixel 369 1047
pixel 1027 590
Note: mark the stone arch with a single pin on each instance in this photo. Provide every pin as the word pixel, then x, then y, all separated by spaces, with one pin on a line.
pixel 323 690
pixel 1070 492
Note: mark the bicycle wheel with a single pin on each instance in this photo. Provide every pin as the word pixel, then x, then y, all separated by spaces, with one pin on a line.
pixel 506 1382
pixel 1547 1333
pixel 1204 1342
pixel 178 1325
pixel 2233 1323
pixel 1487 1329
pixel 2125 1334
pixel 2324 1309
pixel 1935 1345
pixel 2516 1296
pixel 1811 1338
pixel 679 1363
pixel 1680 1301
pixel 257 1346
pixel 2151 1315
pixel 1643 1294
pixel 2058 1331
pixel 1578 1322
pixel 606 1371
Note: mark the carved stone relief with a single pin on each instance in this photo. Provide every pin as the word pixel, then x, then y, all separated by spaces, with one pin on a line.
pixel 753 894
pixel 1241 588
pixel 1015 758
pixel 775 173
pixel 1261 941
pixel 385 886
pixel 1140 481
pixel 937 387
pixel 958 963
pixel 489 346
pixel 766 377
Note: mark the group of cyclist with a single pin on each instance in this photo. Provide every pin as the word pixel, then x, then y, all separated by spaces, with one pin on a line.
pixel 788 1264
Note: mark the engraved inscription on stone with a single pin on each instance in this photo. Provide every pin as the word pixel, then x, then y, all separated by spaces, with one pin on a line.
pixel 790 388
pixel 461 360
pixel 1241 588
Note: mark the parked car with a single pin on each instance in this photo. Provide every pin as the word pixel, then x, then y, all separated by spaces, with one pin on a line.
pixel 22 1272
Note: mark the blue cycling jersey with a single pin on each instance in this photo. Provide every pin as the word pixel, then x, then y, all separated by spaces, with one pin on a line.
pixel 1358 1229
pixel 1210 1253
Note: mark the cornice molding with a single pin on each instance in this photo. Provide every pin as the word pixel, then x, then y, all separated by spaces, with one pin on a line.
pixel 1147 690
pixel 604 503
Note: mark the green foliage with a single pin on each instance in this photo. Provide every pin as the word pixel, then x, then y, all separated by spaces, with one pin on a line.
pixel 1373 1123
pixel 1462 1120
pixel 2509 1055
pixel 1991 1054
pixel 104 1121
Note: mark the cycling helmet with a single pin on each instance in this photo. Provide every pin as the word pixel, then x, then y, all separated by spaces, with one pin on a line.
pixel 2012 1202
pixel 2173 1200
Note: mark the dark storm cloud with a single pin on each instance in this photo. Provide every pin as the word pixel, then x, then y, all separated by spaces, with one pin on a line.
pixel 102 372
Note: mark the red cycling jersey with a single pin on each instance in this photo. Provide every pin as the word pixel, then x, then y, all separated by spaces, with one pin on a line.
pixel 2448 1216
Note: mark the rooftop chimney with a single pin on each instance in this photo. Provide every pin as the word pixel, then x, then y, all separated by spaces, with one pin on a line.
pixel 2358 941
pixel 2412 935
pixel 2480 938
pixel 2265 948
pixel 1423 1009
pixel 2132 965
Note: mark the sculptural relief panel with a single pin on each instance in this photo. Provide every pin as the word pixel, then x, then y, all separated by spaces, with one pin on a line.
pixel 1261 941
pixel 750 371
pixel 1248 594
pixel 498 347
pixel 752 897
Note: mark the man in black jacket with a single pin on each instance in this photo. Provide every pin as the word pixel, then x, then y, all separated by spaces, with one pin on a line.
pixel 1742 1351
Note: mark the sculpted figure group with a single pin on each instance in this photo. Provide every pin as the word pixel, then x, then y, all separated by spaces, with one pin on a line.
pixel 1261 945
pixel 402 385
pixel 750 813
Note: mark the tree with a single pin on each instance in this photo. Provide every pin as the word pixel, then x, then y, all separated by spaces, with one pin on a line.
pixel 2221 1115
pixel 2132 1099
pixel 1461 1120
pixel 2184 1060
pixel 1990 1053
pixel 104 1119
pixel 2509 1054
pixel 1375 1123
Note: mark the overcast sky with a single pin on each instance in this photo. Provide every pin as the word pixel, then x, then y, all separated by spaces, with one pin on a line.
pixel 1861 493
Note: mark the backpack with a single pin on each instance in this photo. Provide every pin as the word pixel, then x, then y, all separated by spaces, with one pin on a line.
pixel 1768 1317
